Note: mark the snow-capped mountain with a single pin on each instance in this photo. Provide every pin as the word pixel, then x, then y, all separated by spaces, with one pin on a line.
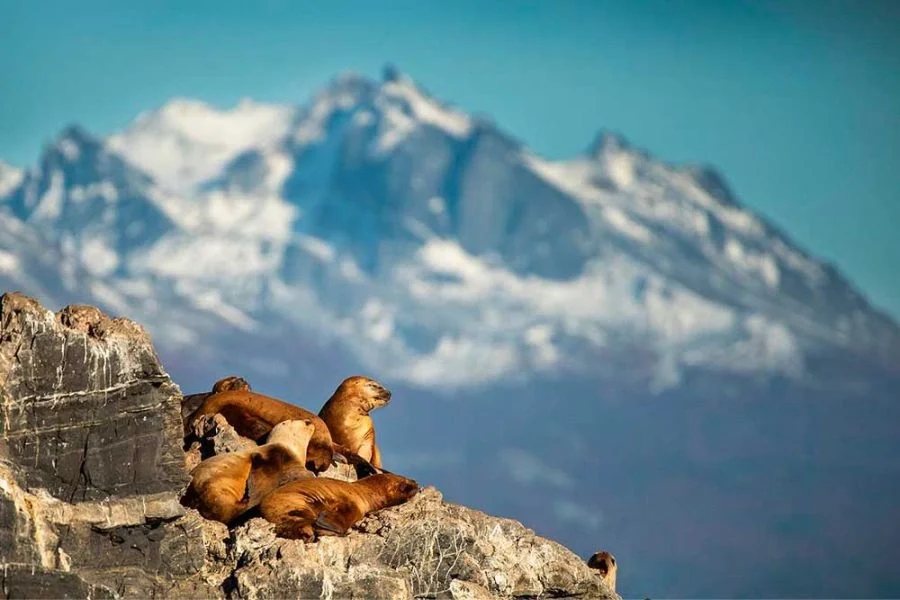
pixel 645 361
pixel 437 248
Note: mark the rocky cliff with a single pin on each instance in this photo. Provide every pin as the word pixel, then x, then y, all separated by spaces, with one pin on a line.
pixel 92 467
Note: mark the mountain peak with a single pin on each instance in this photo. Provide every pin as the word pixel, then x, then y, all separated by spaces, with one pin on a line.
pixel 607 142
pixel 75 133
pixel 390 73
pixel 71 145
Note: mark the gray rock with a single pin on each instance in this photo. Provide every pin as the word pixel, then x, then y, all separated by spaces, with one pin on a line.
pixel 30 581
pixel 91 459
pixel 87 410
pixel 92 470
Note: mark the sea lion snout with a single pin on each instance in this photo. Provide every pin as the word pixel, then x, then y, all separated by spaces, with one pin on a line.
pixel 410 488
pixel 379 391
pixel 385 394
pixel 379 395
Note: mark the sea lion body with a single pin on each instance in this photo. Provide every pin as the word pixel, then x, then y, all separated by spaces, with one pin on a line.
pixel 225 486
pixel 346 413
pixel 312 507
pixel 253 415
pixel 605 563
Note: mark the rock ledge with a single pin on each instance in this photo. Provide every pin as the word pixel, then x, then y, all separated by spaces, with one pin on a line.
pixel 92 469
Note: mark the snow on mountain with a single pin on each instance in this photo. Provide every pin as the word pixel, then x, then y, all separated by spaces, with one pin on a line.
pixel 187 142
pixel 10 177
pixel 91 202
pixel 457 254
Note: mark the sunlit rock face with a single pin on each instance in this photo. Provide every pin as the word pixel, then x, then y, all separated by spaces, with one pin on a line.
pixel 87 408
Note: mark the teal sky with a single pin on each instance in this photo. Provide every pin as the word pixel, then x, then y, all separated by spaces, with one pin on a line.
pixel 798 103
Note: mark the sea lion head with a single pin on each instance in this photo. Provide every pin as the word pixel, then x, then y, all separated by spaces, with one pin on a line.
pixel 397 487
pixel 369 392
pixel 605 563
pixel 291 433
pixel 232 383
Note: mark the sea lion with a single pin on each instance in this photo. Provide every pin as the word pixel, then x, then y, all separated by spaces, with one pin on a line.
pixel 191 402
pixel 311 507
pixel 253 415
pixel 347 415
pixel 225 486
pixel 232 383
pixel 605 563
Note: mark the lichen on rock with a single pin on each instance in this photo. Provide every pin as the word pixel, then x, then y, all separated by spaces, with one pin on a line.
pixel 93 466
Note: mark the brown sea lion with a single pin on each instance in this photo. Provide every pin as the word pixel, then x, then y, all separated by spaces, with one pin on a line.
pixel 605 563
pixel 232 383
pixel 225 486
pixel 347 415
pixel 253 415
pixel 311 507
pixel 191 402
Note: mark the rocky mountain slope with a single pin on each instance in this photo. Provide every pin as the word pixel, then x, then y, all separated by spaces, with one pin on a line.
pixel 92 469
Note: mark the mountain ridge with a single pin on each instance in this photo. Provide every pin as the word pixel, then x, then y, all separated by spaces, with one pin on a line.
pixel 376 186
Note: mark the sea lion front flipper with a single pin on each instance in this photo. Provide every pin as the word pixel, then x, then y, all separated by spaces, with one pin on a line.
pixel 324 523
pixel 296 526
pixel 255 490
pixel 376 455
pixel 363 467
pixel 189 406
pixel 338 517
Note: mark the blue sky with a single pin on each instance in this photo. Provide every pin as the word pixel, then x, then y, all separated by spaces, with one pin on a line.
pixel 798 103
